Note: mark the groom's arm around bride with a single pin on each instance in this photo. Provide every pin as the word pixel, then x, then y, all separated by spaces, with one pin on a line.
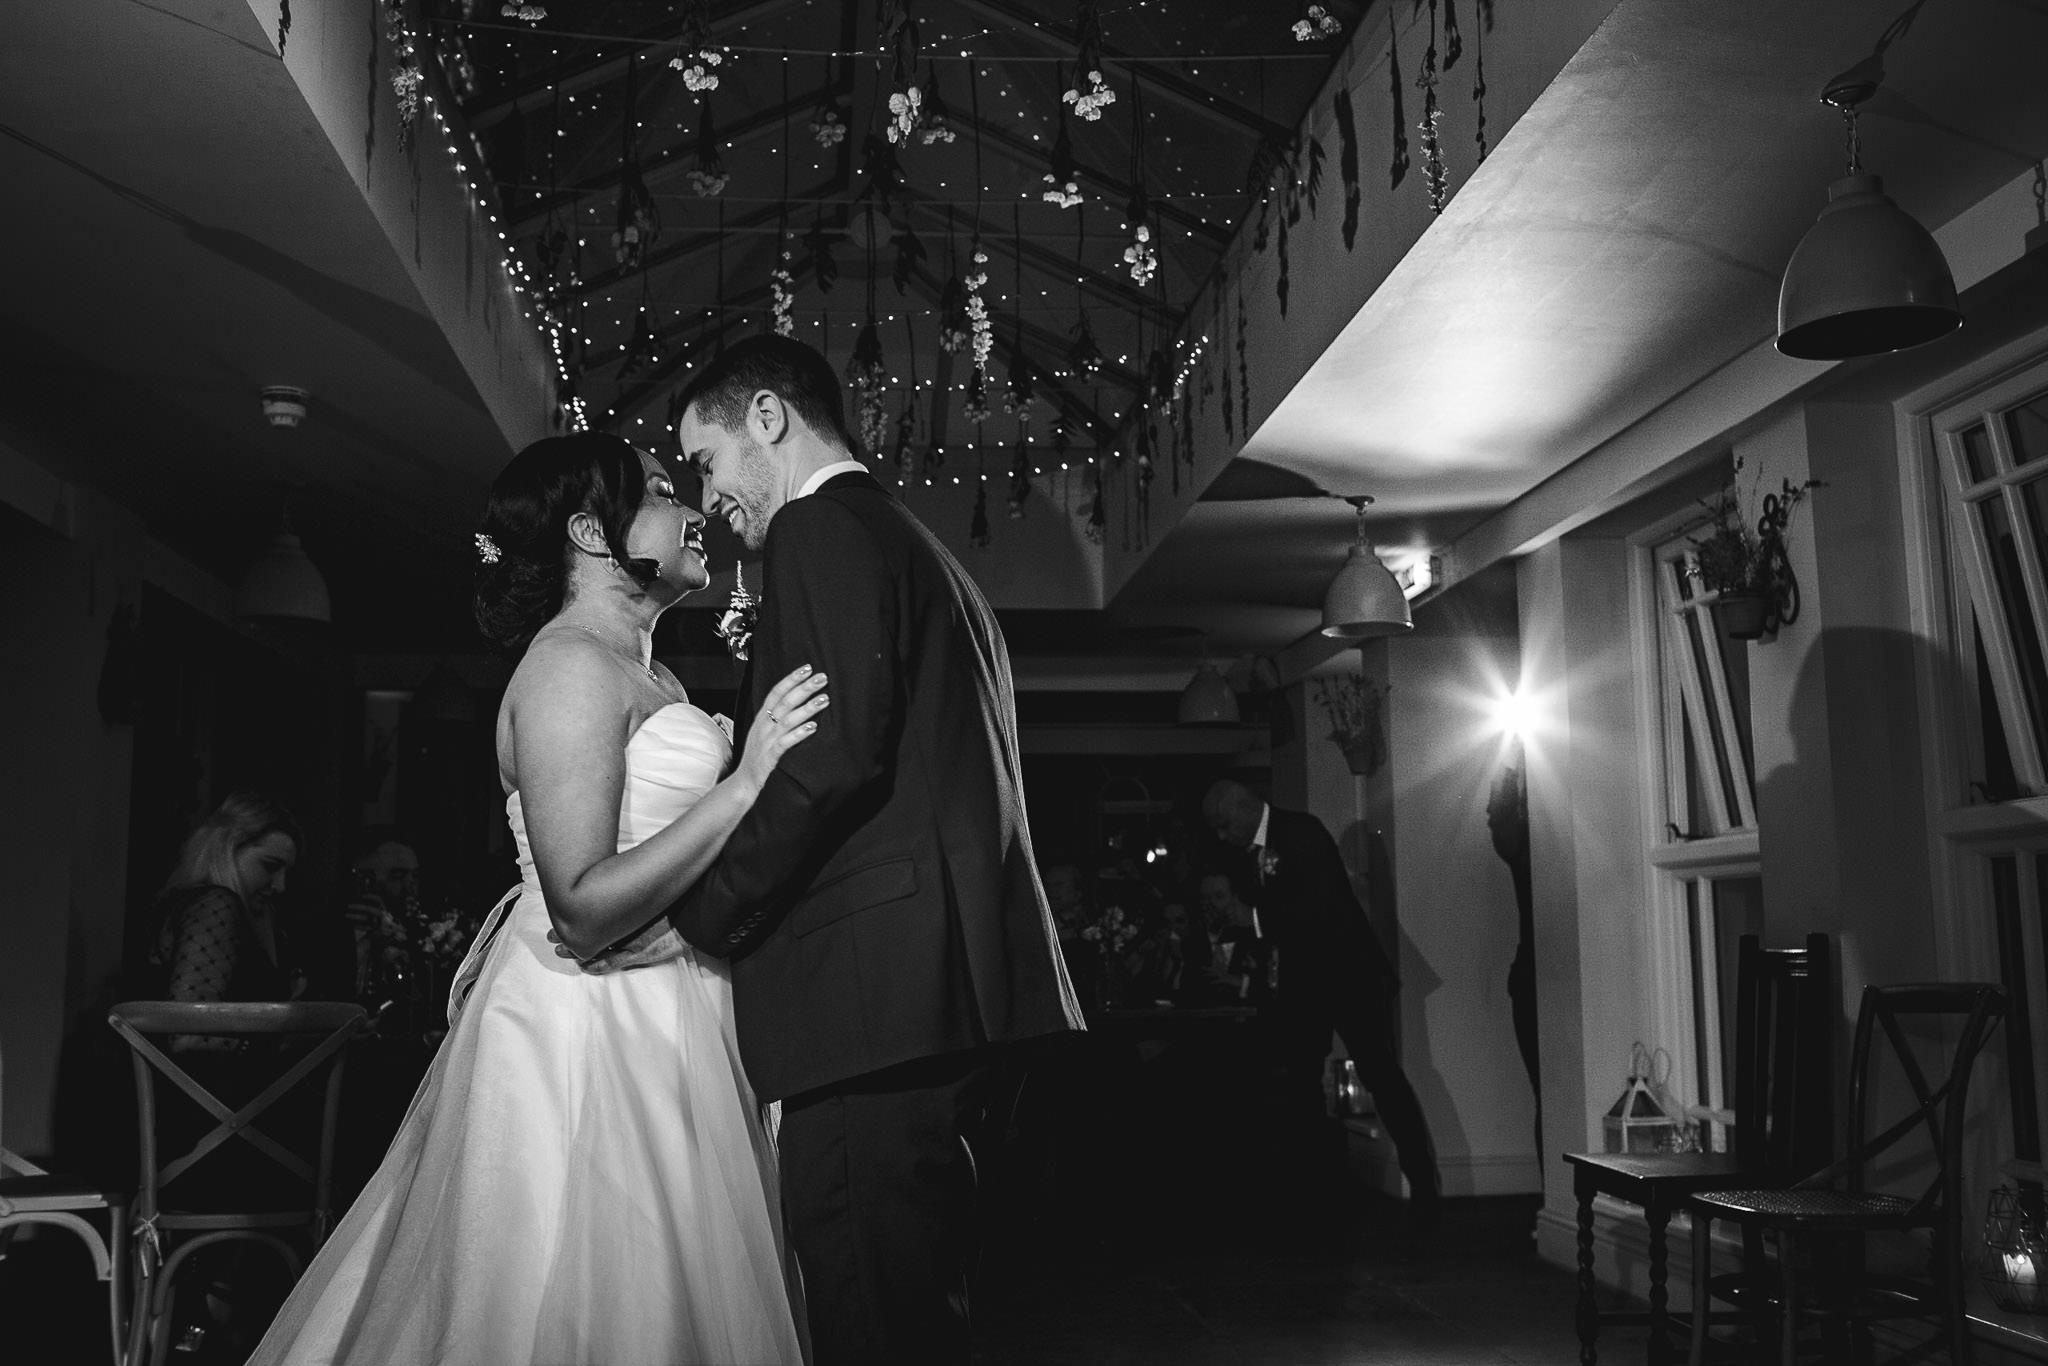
pixel 880 901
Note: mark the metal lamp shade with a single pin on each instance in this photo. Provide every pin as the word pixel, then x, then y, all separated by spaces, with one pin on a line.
pixel 1866 279
pixel 1207 700
pixel 284 582
pixel 1365 600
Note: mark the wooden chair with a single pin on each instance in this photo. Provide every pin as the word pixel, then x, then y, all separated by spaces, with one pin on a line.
pixel 30 1195
pixel 1783 1124
pixel 287 1045
pixel 1828 1214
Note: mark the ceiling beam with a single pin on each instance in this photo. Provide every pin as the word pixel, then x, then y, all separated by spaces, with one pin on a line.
pixel 537 88
pixel 1167 85
pixel 677 156
pixel 1035 158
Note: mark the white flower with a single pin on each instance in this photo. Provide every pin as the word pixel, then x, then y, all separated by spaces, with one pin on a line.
pixel 1066 196
pixel 696 68
pixel 828 129
pixel 1140 257
pixel 904 113
pixel 1090 97
pixel 706 184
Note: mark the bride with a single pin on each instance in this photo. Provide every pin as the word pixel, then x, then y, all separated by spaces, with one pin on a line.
pixel 584 1176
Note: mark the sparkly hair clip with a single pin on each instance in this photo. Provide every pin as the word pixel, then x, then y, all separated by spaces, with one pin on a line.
pixel 487 549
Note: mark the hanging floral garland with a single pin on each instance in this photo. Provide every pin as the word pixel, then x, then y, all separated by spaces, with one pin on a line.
pixel 1316 22
pixel 1062 179
pixel 696 58
pixel 406 74
pixel 1139 257
pixel 977 308
pixel 1479 72
pixel 910 254
pixel 1432 114
pixel 1089 94
pixel 825 269
pixel 708 176
pixel 827 127
pixel 897 35
pixel 781 281
pixel 869 380
pixel 1454 41
pixel 938 115
pixel 532 14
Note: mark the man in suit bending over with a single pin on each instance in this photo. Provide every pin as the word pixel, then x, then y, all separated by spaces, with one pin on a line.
pixel 1332 969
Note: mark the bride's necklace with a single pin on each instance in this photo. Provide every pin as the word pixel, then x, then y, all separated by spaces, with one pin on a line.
pixel 614 645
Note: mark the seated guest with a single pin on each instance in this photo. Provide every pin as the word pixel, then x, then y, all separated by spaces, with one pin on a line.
pixel 383 891
pixel 1230 963
pixel 216 925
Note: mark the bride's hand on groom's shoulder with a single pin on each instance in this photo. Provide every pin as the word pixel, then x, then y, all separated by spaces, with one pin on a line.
pixel 658 943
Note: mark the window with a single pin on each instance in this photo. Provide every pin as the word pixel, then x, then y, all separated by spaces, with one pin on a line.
pixel 1705 705
pixel 1994 454
pixel 1706 889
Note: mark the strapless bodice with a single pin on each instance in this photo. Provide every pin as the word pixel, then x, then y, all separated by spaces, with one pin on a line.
pixel 674 758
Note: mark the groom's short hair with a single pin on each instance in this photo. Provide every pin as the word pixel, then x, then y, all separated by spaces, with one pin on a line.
pixel 797 374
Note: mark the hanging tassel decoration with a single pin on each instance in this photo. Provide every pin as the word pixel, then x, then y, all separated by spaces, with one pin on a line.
pixel 708 176
pixel 1347 164
pixel 977 527
pixel 1454 41
pixel 1479 77
pixel 1432 141
pixel 1399 169
pixel 818 241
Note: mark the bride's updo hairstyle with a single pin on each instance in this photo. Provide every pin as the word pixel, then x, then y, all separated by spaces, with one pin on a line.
pixel 527 523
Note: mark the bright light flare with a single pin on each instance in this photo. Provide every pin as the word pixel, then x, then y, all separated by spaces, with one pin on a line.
pixel 1514 715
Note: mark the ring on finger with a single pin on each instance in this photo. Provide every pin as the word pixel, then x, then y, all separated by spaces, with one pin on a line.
pixel 771 718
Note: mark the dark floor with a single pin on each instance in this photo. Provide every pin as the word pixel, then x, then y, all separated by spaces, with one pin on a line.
pixel 1355 1289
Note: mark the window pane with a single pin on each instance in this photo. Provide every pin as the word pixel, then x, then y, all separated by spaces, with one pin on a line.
pixel 1738 909
pixel 2012 601
pixel 1977 453
pixel 2000 782
pixel 2029 430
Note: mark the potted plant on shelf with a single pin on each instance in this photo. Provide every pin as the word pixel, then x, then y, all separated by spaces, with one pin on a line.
pixel 1353 703
pixel 1742 567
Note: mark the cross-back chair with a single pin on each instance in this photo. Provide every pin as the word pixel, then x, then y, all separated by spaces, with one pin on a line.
pixel 1782 1125
pixel 280 1048
pixel 29 1195
pixel 1819 1222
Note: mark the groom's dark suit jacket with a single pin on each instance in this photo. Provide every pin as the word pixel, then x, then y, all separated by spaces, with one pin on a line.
pixel 880 901
pixel 1328 948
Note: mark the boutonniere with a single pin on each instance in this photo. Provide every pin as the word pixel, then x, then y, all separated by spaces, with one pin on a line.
pixel 736 623
pixel 1269 863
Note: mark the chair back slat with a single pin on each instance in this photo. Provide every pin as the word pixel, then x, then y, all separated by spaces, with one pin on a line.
pixel 143 1023
pixel 1784 1057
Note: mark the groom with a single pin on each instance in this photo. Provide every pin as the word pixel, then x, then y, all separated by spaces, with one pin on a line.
pixel 880 901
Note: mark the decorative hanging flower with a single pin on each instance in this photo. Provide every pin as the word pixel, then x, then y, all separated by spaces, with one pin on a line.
pixel 955 331
pixel 697 59
pixel 905 453
pixel 868 377
pixel 1066 194
pixel 708 176
pixel 1140 257
pixel 638 222
pixel 1315 23
pixel 910 253
pixel 1090 96
pixel 938 116
pixel 977 311
pixel 975 409
pixel 905 113
pixel 977 528
pixel 1084 357
pixel 827 127
pixel 782 285
pixel 699 68
pixel 532 14
pixel 1022 389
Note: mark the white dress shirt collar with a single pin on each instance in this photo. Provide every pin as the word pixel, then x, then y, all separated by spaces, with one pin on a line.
pixel 1265 815
pixel 833 471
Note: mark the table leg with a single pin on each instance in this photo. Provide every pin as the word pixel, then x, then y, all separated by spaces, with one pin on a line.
pixel 1589 1312
pixel 1658 1215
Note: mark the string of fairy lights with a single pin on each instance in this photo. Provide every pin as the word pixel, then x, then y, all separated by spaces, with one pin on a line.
pixel 1167 381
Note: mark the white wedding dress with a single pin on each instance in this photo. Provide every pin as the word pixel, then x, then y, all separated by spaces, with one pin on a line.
pixel 585 1177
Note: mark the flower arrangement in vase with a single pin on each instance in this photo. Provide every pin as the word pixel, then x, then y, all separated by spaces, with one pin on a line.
pixel 1744 566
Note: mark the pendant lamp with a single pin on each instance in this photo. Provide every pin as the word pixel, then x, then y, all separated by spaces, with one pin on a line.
pixel 1365 599
pixel 1207 699
pixel 284 582
pixel 1867 278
